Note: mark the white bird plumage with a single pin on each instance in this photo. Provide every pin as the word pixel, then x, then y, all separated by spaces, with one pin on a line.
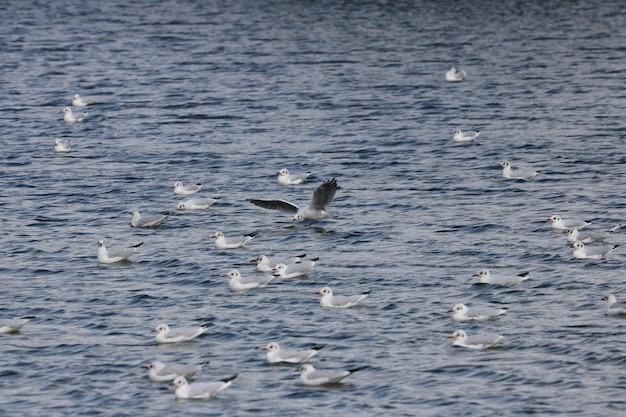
pixel 200 390
pixel 614 308
pixel 455 75
pixel 138 220
pixel 459 137
pixel 294 270
pixel 180 189
pixel 71 117
pixel 14 325
pixel 316 210
pixel 329 300
pixel 166 335
pixel 266 264
pixel 238 283
pixel 197 203
pixel 479 341
pixel 312 377
pixel 507 172
pixel 591 252
pixel 285 178
pixel 559 223
pixel 62 146
pixel 276 354
pixel 224 242
pixel 109 256
pixel 78 101
pixel 574 235
pixel 462 313
pixel 160 372
pixel 485 277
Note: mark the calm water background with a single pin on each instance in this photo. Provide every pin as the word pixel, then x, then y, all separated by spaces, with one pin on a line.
pixel 227 93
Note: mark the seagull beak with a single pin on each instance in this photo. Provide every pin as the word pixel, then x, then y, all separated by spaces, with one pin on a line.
pixel 450 337
pixel 450 311
pixel 153 331
pixel 145 366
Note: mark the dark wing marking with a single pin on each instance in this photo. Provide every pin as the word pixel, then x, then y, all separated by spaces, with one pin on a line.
pixel 281 205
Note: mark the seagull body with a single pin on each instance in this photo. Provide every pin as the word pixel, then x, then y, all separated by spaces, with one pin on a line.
pixel 109 256
pixel 316 210
pixel 613 307
pixel 223 242
pixel 485 277
pixel 79 101
pixel 266 264
pixel 339 301
pixel 200 390
pixel 62 146
pixel 462 313
pixel 591 252
pixel 70 117
pixel 565 224
pixel 160 372
pixel 479 341
pixel 14 325
pixel 455 75
pixel 285 178
pixel 147 221
pixel 197 203
pixel 238 283
pixel 507 172
pixel 180 189
pixel 311 377
pixel 166 335
pixel 275 354
pixel 459 137
pixel 295 269
pixel 574 235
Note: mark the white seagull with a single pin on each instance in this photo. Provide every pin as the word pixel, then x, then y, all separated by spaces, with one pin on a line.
pixel 238 283
pixel 70 117
pixel 614 308
pixel 159 372
pixel 197 203
pixel 316 210
pixel 275 354
pixel 591 252
pixel 312 377
pixel 223 242
pixel 565 224
pixel 62 146
pixel 200 390
pixel 180 189
pixel 459 137
pixel 339 301
pixel 166 335
pixel 462 313
pixel 507 172
pixel 485 277
pixel 574 235
pixel 479 341
pixel 266 264
pixel 455 75
pixel 138 220
pixel 285 178
pixel 14 325
pixel 295 269
pixel 109 256
pixel 79 101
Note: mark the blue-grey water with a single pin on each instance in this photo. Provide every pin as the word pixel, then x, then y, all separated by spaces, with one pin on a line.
pixel 227 93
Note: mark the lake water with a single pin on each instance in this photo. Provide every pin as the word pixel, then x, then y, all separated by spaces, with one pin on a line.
pixel 226 94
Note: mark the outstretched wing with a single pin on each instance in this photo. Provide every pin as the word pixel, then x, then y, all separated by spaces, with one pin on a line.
pixel 324 194
pixel 281 205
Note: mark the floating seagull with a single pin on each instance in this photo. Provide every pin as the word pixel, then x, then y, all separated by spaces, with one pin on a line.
pixel 507 172
pixel 295 269
pixel 460 137
pixel 200 390
pixel 574 235
pixel 160 372
pixel 564 224
pixel 479 341
pixel 180 189
pixel 312 377
pixel 238 283
pixel 266 264
pixel 462 313
pixel 147 221
pixel 613 307
pixel 485 277
pixel 223 242
pixel 70 117
pixel 197 203
pixel 339 301
pixel 591 252
pixel 14 325
pixel 116 254
pixel 316 210
pixel 62 146
pixel 455 75
pixel 275 354
pixel 79 101
pixel 166 335
pixel 285 178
